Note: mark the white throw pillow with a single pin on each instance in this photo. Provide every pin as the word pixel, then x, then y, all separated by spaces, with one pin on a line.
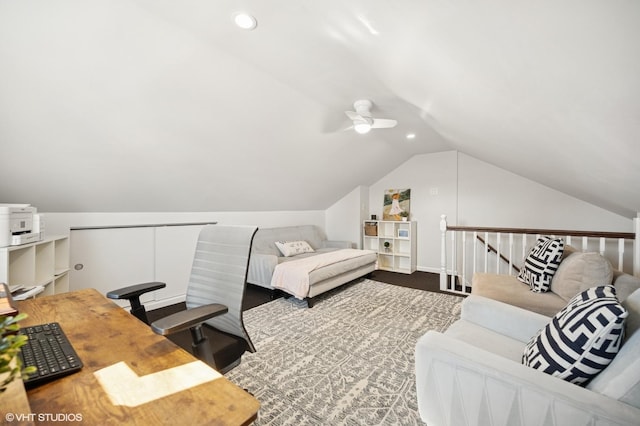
pixel 541 263
pixel 292 248
pixel 580 271
pixel 581 339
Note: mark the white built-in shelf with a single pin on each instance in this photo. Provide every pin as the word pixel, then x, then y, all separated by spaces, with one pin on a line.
pixel 44 263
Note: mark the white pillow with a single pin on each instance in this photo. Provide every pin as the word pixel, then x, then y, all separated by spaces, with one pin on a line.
pixel 292 248
pixel 580 271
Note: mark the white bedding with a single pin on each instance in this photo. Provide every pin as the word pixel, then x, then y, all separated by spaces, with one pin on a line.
pixel 293 276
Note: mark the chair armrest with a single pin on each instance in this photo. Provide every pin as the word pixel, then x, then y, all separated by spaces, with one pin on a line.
pixel 186 319
pixel 336 244
pixel 135 290
pixel 508 320
pixel 451 374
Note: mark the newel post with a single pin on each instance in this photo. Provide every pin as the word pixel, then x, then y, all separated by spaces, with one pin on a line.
pixel 443 252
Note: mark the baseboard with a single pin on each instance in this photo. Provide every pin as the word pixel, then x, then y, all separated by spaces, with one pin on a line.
pixel 431 270
pixel 428 269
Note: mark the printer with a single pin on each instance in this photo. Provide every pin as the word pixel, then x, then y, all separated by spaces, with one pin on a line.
pixel 19 224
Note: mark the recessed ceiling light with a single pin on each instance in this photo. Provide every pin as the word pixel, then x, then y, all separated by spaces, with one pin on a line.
pixel 411 136
pixel 245 21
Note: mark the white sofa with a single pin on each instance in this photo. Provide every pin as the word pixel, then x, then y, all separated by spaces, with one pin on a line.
pixel 472 374
pixel 265 256
pixel 577 272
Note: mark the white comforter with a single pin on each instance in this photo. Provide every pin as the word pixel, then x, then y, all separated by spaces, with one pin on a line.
pixel 293 276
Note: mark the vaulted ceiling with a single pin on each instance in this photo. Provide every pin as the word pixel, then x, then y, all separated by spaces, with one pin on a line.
pixel 165 105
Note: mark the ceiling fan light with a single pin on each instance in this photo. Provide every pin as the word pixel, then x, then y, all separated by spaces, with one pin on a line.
pixel 362 127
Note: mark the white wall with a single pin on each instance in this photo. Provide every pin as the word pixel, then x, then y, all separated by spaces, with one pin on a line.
pixel 432 179
pixel 109 258
pixel 344 218
pixel 491 196
pixel 474 193
pixel 469 191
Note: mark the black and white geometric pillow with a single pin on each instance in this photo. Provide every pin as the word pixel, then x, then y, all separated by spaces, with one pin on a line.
pixel 581 339
pixel 541 263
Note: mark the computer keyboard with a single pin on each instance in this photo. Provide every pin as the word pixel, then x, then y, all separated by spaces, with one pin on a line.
pixel 49 350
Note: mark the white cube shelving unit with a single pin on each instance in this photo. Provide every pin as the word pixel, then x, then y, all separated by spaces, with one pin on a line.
pixel 394 242
pixel 44 263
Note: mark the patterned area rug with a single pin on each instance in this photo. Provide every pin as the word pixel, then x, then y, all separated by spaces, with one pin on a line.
pixel 349 360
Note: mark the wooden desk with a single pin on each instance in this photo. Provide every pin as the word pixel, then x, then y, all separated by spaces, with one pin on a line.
pixel 104 334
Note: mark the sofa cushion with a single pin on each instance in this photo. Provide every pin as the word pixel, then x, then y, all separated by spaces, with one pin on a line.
pixel 581 339
pixel 292 248
pixel 625 284
pixel 580 271
pixel 632 305
pixel 487 339
pixel 541 263
pixel 507 289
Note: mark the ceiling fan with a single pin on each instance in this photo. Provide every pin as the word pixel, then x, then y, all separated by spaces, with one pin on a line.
pixel 362 120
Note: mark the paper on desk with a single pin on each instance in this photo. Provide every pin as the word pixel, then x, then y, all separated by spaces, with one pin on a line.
pixel 125 387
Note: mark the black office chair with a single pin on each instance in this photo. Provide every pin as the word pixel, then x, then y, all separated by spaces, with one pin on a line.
pixel 214 294
pixel 132 294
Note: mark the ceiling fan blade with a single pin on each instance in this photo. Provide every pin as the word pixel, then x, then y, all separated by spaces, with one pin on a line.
pixel 383 123
pixel 352 115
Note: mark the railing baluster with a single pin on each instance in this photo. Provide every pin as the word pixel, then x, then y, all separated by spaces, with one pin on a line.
pixel 475 251
pixel 464 261
pixel 454 260
pixel 486 252
pixel 636 246
pixel 510 253
pixel 498 241
pixel 585 243
pixel 602 245
pixel 620 254
pixel 443 252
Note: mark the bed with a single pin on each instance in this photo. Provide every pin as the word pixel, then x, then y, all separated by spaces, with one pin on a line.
pixel 305 275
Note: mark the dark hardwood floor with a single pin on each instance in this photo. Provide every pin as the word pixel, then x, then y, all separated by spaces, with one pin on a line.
pixel 227 348
pixel 418 280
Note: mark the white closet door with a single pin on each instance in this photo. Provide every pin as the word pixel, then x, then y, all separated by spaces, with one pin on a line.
pixel 107 259
pixel 175 246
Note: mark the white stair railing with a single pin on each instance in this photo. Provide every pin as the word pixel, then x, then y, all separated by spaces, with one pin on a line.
pixel 467 250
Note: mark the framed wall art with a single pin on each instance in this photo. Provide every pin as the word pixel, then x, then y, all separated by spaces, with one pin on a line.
pixel 396 204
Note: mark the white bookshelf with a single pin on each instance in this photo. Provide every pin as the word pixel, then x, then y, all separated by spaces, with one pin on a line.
pixel 394 242
pixel 44 263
